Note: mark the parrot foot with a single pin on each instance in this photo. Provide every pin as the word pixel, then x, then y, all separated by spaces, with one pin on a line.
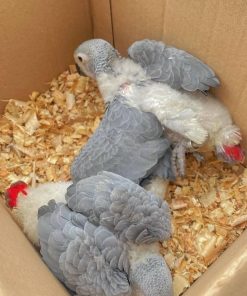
pixel 178 158
pixel 204 92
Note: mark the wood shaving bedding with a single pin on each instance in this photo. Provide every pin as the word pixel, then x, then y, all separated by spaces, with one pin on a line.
pixel 40 137
pixel 209 211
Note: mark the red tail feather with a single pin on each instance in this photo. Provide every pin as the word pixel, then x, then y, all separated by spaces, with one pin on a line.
pixel 235 152
pixel 13 191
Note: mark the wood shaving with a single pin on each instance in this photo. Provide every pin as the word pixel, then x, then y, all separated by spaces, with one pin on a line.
pixel 213 213
pixel 40 137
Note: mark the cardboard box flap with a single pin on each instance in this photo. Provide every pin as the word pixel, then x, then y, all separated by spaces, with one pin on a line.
pixel 227 276
pixel 22 271
pixel 135 20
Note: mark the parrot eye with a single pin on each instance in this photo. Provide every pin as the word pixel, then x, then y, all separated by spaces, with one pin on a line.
pixel 83 58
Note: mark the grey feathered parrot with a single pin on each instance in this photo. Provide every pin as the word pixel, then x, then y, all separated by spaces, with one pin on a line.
pixel 191 119
pixel 180 70
pixel 104 241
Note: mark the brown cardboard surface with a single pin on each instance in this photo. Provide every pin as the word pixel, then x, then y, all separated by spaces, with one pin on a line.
pixel 37 42
pixel 22 272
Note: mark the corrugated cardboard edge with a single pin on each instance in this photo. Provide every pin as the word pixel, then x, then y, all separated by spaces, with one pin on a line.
pixel 136 20
pixel 22 271
pixel 227 276
pixel 101 16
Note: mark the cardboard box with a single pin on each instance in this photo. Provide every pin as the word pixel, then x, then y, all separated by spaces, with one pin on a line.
pixel 37 42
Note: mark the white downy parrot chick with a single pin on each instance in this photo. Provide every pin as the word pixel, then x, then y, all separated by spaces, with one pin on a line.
pixel 196 118
pixel 25 202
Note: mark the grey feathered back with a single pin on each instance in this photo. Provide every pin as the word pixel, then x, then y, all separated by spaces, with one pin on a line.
pixel 128 142
pixel 173 66
pixel 88 259
pixel 123 207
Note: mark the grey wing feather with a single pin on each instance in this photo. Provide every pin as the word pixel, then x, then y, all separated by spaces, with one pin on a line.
pixel 123 207
pixel 173 66
pixel 128 142
pixel 88 259
pixel 51 219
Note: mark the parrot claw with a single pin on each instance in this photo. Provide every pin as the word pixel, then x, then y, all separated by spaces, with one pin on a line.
pixel 204 92
pixel 198 156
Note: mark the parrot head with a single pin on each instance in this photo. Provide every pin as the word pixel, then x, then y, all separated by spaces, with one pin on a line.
pixel 149 274
pixel 94 56
pixel 13 192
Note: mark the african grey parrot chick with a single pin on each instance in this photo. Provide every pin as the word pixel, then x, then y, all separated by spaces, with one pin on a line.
pixel 181 70
pixel 196 118
pixel 104 242
pixel 128 142
pixel 172 66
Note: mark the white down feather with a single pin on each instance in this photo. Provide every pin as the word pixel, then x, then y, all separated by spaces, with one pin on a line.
pixel 26 210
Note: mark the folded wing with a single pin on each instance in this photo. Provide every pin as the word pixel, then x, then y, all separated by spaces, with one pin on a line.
pixel 172 66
